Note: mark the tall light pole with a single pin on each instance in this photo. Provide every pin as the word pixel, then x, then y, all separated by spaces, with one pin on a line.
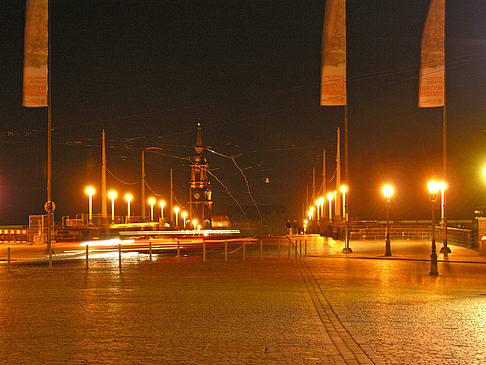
pixel 112 195
pixel 90 192
pixel 346 248
pixel 434 188
pixel 176 211
pixel 162 205
pixel 444 249
pixel 128 198
pixel 151 202
pixel 184 215
pixel 388 192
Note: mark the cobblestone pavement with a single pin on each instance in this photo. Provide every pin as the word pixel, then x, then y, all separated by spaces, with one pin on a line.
pixel 332 309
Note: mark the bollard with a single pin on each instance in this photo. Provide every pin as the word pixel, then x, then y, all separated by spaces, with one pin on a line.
pixel 225 251
pixel 119 256
pixel 204 250
pixel 150 252
pixel 87 250
pixel 305 248
pixel 295 253
pixel 50 257
pixel 178 252
pixel 300 249
pixel 288 256
pixel 8 255
pixel 244 251
pixel 261 248
pixel 278 250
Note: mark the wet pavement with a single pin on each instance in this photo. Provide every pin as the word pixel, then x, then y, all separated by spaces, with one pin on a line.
pixel 327 308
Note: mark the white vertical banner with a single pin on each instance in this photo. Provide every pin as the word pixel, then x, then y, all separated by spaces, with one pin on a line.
pixel 432 66
pixel 333 71
pixel 35 54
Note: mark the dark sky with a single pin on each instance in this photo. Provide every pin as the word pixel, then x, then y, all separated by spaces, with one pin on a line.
pixel 249 71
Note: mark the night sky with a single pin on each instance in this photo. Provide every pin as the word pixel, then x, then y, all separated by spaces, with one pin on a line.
pixel 249 72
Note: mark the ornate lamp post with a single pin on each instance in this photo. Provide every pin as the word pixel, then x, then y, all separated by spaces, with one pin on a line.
pixel 443 187
pixel 112 195
pixel 388 192
pixel 151 202
pixel 434 188
pixel 90 192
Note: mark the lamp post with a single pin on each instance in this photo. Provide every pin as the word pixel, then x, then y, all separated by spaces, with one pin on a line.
pixel 330 197
pixel 128 198
pixel 176 211
pixel 90 192
pixel 343 190
pixel 388 192
pixel 162 204
pixel 433 187
pixel 112 195
pixel 151 202
pixel 184 215
pixel 194 223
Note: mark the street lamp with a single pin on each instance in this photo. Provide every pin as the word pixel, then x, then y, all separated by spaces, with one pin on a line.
pixel 194 223
pixel 112 195
pixel 388 192
pixel 90 192
pixel 330 197
pixel 128 198
pixel 184 215
pixel 162 204
pixel 434 188
pixel 176 211
pixel 151 202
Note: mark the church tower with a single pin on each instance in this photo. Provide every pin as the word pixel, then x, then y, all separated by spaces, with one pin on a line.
pixel 199 187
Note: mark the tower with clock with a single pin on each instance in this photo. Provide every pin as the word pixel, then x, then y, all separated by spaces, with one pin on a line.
pixel 199 186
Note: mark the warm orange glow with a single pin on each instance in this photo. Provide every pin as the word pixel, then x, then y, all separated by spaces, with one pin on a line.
pixel 128 197
pixel 112 194
pixel 433 187
pixel 343 189
pixel 176 210
pixel 89 190
pixel 162 203
pixel 330 196
pixel 184 215
pixel 388 191
pixel 443 186
pixel 194 223
pixel 151 201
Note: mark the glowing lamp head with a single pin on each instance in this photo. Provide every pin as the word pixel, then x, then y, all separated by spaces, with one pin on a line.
pixel 433 187
pixel 151 201
pixel 306 221
pixel 128 197
pixel 89 190
pixel 443 186
pixel 162 203
pixel 311 208
pixel 184 214
pixel 343 189
pixel 194 222
pixel 388 191
pixel 330 196
pixel 112 194
pixel 321 200
pixel 176 210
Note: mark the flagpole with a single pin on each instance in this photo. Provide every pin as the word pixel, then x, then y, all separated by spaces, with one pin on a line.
pixel 49 205
pixel 445 249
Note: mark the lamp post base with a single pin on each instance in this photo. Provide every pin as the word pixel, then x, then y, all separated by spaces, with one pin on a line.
pixel 347 250
pixel 445 249
pixel 387 248
pixel 433 264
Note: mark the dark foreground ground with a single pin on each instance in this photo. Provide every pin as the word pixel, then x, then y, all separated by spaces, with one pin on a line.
pixel 326 308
